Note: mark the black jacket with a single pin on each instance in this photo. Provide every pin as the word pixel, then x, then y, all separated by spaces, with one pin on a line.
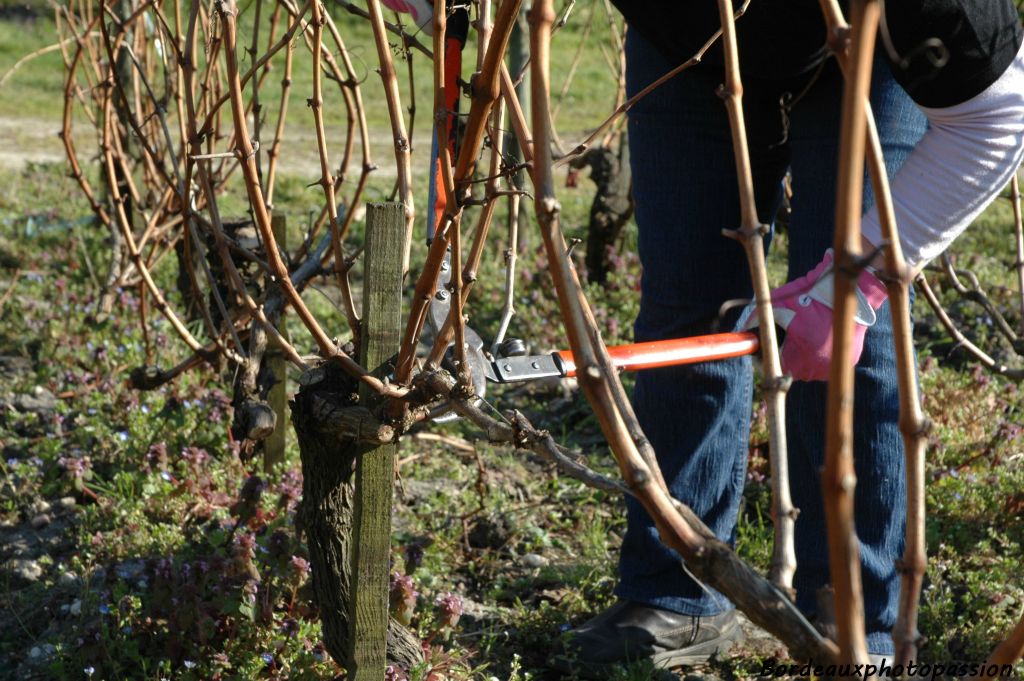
pixel 785 38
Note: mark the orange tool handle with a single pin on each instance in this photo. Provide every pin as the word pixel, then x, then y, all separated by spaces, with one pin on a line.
pixel 452 70
pixel 676 351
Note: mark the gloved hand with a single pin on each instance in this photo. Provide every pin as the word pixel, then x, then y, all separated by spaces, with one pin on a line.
pixel 422 12
pixel 803 307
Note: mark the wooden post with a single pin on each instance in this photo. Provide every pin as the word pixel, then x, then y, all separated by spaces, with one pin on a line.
pixel 274 445
pixel 382 308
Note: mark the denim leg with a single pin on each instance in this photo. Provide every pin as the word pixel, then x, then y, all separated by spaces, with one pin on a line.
pixel 697 417
pixel 880 498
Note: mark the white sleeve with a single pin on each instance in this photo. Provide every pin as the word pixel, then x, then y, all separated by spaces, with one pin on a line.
pixel 968 154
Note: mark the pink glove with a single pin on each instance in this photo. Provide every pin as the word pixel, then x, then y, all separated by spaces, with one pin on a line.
pixel 422 12
pixel 803 307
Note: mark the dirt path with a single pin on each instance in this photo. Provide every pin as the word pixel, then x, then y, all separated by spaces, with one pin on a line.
pixel 25 140
pixel 28 140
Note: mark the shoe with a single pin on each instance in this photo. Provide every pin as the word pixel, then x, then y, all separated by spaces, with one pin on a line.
pixel 630 632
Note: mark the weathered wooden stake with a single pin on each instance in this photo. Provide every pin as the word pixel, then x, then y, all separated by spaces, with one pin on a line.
pixel 382 308
pixel 274 445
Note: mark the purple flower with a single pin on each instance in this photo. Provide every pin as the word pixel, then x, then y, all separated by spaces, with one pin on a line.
pixel 301 566
pixel 393 673
pixel 289 626
pixel 89 671
pixel 402 598
pixel 267 658
pixel 449 608
pixel 104 609
pixel 246 541
pixel 189 664
pixel 1009 431
pixel 290 488
pixel 75 466
pixel 196 456
pixel 164 568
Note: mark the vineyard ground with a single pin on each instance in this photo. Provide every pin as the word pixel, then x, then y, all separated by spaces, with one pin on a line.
pixel 132 529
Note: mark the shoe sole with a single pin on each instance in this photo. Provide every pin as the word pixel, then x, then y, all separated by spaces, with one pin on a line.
pixel 698 654
pixel 693 656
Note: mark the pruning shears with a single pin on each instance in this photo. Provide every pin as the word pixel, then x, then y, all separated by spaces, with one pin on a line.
pixel 518 367
pixel 631 357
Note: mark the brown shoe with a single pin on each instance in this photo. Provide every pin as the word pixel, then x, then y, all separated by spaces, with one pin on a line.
pixel 630 632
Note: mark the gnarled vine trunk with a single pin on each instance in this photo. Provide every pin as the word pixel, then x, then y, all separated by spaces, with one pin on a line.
pixel 612 207
pixel 328 471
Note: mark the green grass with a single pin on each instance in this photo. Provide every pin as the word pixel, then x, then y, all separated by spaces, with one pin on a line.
pixel 975 474
pixel 35 90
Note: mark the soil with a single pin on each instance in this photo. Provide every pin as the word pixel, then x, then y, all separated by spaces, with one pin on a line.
pixel 24 141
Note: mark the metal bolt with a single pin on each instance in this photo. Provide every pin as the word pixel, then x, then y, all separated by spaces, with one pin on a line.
pixel 442 295
pixel 535 365
pixel 508 367
pixel 513 347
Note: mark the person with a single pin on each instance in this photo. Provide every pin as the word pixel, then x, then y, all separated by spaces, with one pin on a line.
pixel 947 93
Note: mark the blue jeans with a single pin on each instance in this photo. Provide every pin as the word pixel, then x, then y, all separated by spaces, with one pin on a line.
pixel 698 417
